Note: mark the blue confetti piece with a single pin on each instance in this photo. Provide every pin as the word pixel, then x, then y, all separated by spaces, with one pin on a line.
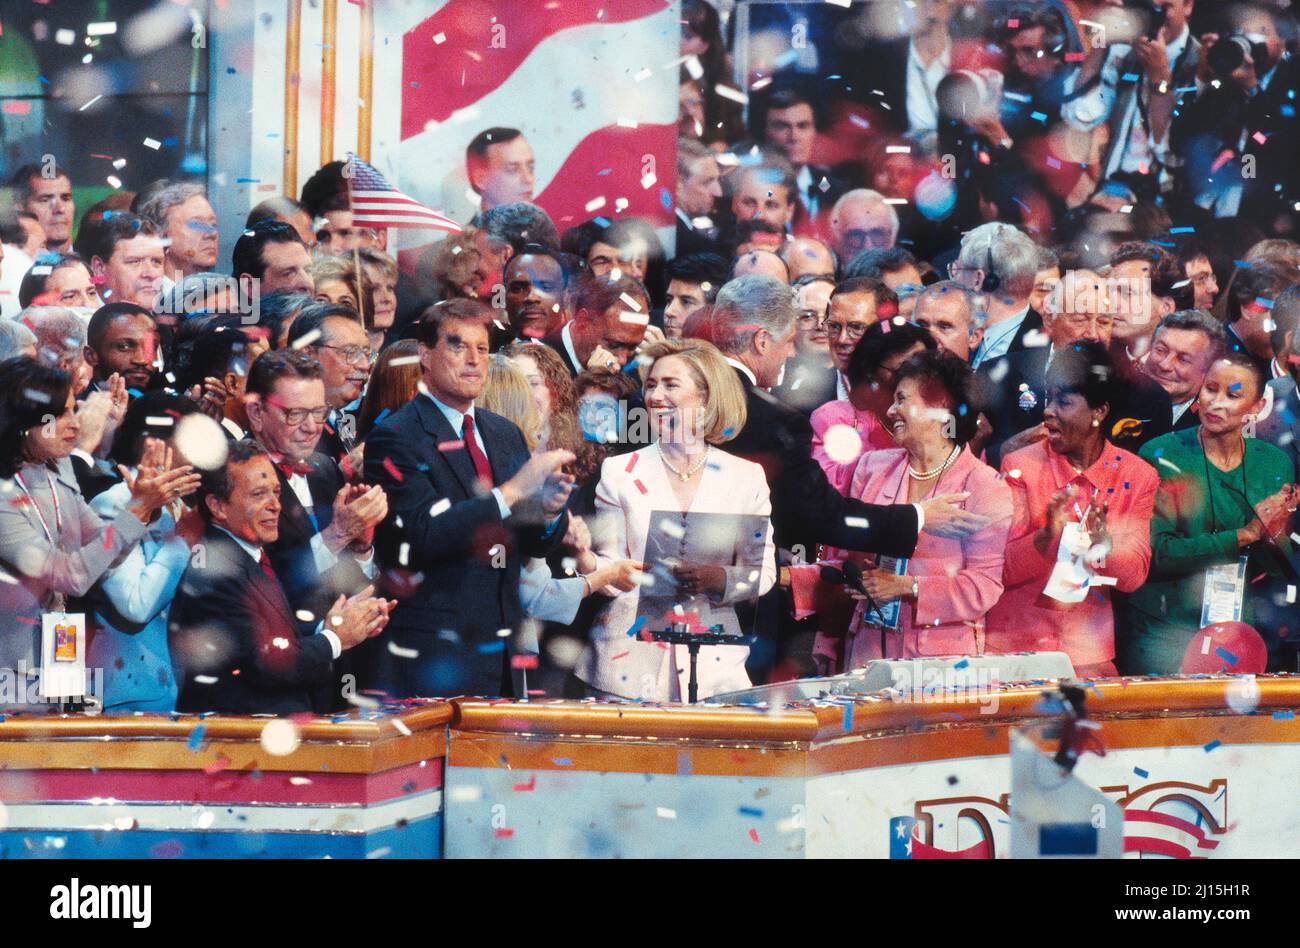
pixel 636 626
pixel 1288 111
pixel 603 172
pixel 1038 116
pixel 1141 773
pixel 171 141
pixel 43 80
pixel 1283 715
pixel 134 392
pixel 196 736
pixel 1264 302
pixel 1212 745
pixel 729 432
pixel 1182 230
pixel 684 768
pixel 230 70
pixel 487 648
pixel 665 199
pixel 1234 387
pixel 1130 77
pixel 602 221
pixel 561 762
pixel 960 665
pixel 848 717
pixel 751 811
pixel 1164 243
pixel 1242 265
pixel 248 181
pixel 381 416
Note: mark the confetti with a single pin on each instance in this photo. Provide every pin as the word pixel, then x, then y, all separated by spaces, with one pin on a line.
pixel 1141 773
pixel 1212 745
pixel 392 470
pixel 665 813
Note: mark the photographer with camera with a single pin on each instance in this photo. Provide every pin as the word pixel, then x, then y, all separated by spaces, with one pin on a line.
pixel 1239 137
pixel 1131 81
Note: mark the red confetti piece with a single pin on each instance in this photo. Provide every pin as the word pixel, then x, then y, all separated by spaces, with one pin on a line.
pixel 614 658
pixel 451 445
pixel 528 787
pixel 218 765
pixel 18 107
pixel 345 465
pixel 1224 157
pixel 505 833
pixel 523 661
pixel 27 620
pixel 1013 24
pixel 1260 137
pixel 1075 57
pixel 631 463
pixel 753 834
pixel 641 487
pixel 108 537
pixel 392 470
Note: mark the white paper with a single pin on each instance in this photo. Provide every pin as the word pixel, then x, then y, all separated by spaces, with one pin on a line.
pixel 1071 578
pixel 63 655
pixel 1225 587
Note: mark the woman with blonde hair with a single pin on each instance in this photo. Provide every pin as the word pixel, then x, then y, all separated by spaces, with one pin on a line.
pixel 697 516
pixel 507 393
pixel 394 381
pixel 338 280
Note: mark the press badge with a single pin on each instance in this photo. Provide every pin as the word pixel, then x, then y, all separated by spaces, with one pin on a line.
pixel 63 655
pixel 1225 588
pixel 887 616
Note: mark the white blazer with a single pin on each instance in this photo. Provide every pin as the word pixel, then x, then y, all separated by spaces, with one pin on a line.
pixel 727 524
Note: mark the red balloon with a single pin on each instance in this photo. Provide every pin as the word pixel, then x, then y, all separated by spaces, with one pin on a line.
pixel 1225 647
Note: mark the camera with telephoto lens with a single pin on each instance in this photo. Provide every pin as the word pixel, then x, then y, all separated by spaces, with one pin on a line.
pixel 1226 56
pixel 1155 12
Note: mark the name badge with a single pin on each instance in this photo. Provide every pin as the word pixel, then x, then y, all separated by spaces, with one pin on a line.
pixel 887 616
pixel 1225 589
pixel 63 655
pixel 1071 578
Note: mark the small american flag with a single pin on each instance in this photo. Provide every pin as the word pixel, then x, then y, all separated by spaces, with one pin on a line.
pixel 376 203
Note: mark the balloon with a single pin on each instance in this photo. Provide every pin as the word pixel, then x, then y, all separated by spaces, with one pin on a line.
pixel 1225 646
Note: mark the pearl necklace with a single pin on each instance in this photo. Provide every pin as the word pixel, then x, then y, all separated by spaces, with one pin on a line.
pixel 931 475
pixel 691 471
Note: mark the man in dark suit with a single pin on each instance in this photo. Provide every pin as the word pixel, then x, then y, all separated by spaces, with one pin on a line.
pixel 606 329
pixel 231 628
pixel 1185 345
pixel 1001 262
pixel 333 334
pixel 1012 390
pixel 326 526
pixel 790 128
pixel 898 77
pixel 466 503
pixel 753 323
pixel 1281 424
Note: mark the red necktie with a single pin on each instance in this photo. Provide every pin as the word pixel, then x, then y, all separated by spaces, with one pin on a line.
pixel 476 453
pixel 265 563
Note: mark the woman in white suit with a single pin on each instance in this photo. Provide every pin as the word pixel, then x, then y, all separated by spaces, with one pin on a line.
pixel 696 516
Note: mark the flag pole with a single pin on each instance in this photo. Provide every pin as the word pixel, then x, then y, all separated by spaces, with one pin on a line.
pixel 356 250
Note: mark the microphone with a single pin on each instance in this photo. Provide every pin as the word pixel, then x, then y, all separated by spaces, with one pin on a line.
pixel 853 578
pixel 832 576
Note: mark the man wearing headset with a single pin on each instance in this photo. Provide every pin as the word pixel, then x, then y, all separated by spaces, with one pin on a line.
pixel 999 261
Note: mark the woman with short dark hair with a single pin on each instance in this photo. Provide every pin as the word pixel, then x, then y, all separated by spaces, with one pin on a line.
pixel 1076 488
pixel 52 544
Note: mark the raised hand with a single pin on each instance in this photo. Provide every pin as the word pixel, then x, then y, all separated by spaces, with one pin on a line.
pixel 154 487
pixel 943 518
pixel 355 619
pixel 357 511
pixel 534 474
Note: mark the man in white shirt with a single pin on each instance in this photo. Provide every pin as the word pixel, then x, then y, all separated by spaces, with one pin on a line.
pixel 1134 89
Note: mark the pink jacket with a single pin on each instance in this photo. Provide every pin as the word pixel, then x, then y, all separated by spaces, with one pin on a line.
pixel 872 434
pixel 1025 619
pixel 958 581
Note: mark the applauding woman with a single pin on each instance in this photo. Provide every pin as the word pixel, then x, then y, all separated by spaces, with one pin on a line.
pixel 52 545
pixel 1219 522
pixel 933 603
pixel 1078 489
pixel 695 514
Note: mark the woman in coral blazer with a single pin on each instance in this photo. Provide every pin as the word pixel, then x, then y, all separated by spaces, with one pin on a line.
pixel 948 585
pixel 698 517
pixel 1075 475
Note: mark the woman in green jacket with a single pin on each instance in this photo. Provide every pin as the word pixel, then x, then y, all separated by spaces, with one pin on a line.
pixel 1223 497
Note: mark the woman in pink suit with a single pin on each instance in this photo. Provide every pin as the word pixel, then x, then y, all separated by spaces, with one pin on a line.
pixel 943 592
pixel 877 356
pixel 1074 476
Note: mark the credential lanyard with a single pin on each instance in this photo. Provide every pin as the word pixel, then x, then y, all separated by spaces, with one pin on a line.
pixel 54 499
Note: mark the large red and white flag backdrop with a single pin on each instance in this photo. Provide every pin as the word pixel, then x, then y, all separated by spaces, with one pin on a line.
pixel 592 84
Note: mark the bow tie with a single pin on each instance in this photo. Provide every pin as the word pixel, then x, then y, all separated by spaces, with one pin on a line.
pixel 290 468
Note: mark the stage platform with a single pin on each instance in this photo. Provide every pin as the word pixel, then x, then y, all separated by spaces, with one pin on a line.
pixel 1202 766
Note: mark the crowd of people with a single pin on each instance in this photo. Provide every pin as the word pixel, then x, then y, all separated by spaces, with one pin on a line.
pixel 987 347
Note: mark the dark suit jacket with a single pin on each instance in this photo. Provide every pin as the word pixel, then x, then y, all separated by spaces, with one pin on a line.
pixel 459 582
pixel 806 387
pixel 1012 395
pixel 882 67
pixel 305 586
pixel 556 343
pixel 806 509
pixel 231 622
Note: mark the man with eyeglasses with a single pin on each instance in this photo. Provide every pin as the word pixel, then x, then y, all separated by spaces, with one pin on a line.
pixel 1013 389
pixel 861 220
pixel 854 306
pixel 324 548
pixel 810 376
pixel 609 322
pixel 333 334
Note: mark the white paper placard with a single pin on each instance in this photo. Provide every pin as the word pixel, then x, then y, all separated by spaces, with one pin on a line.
pixel 63 655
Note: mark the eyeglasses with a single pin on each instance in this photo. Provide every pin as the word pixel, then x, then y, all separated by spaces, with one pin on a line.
pixel 352 355
pixel 809 316
pixel 854 331
pixel 296 416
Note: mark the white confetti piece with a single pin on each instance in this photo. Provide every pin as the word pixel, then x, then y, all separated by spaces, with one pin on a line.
pixel 595 204
pixel 159 421
pixel 201 441
pixel 91 102
pixel 734 95
pixel 635 319
pixel 856 522
pixel 664 812
pixel 303 615
pixel 401 727
pixel 395 649
pixel 466 794
pixel 205 679
pixel 65 37
pixel 643 75
pixel 306 340
pixel 404 553
pixel 152 143
pixel 843 444
pixel 627 123
pixel 101 29
pixel 439 39
pixel 630 302
pixel 280 737
pixel 405 360
pixel 503 633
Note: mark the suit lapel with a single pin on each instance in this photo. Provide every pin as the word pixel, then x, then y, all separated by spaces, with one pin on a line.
pixel 271 593
pixel 436 423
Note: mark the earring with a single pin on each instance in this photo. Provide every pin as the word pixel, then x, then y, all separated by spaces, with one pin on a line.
pixel 1096 423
